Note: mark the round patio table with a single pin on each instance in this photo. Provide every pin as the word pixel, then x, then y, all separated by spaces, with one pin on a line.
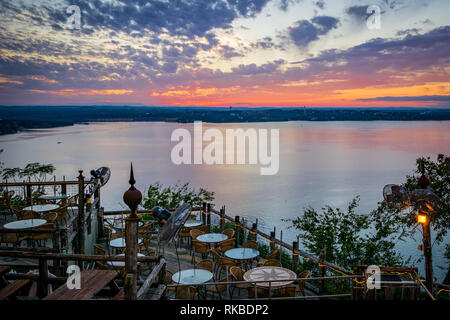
pixel 25 224
pixel 53 197
pixel 193 223
pixel 212 237
pixel 192 276
pixel 241 253
pixel 39 208
pixel 270 273
pixel 119 243
pixel 121 264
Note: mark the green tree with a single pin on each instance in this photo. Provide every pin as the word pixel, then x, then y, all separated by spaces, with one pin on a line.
pixel 172 196
pixel 349 238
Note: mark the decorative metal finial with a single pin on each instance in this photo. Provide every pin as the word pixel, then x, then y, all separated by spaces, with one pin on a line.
pixel 132 197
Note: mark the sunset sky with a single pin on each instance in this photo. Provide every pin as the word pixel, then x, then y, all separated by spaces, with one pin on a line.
pixel 225 53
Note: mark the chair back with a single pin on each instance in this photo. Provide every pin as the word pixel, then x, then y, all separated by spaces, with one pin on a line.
pixel 274 253
pixel 186 292
pixel 261 292
pixel 50 217
pixel 42 236
pixel 301 283
pixel 98 249
pixel 200 247
pixel 237 273
pixel 29 215
pixel 250 244
pixel 194 233
pixel 272 263
pixel 226 245
pixel 205 265
pixel 229 232
pixel 205 228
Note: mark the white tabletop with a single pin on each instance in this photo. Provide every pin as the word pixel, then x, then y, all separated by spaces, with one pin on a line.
pixel 270 273
pixel 193 223
pixel 242 253
pixel 119 243
pixel 212 237
pixel 122 263
pixel 41 207
pixel 53 197
pixel 25 224
pixel 192 276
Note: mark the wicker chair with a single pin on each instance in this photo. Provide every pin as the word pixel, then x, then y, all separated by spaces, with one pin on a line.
pixel 145 229
pixel 168 280
pixel 205 265
pixel 250 244
pixel 17 211
pixel 271 256
pixel 218 288
pixel 229 232
pixel 194 233
pixel 205 228
pixel 14 238
pixel 144 246
pixel 222 263
pixel 200 247
pixel 29 215
pixel 272 263
pixel 62 215
pixel 261 292
pixel 286 291
pixel 38 237
pixel 238 275
pixel 186 292
pixel 98 249
pixel 50 217
pixel 301 283
pixel 226 245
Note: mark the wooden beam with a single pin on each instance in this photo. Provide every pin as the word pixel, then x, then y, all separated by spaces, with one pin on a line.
pixel 151 279
pixel 159 292
pixel 73 257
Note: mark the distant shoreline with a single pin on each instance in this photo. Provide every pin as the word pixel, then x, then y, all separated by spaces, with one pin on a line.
pixel 17 119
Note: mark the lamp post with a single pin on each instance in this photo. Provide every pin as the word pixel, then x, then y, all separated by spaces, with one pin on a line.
pixel 132 197
pixel 425 203
pixel 424 220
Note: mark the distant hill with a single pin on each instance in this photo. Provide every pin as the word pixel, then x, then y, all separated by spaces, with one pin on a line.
pixel 30 117
pixel 14 126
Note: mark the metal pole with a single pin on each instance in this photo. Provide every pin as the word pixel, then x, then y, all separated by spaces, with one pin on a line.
pixel 428 255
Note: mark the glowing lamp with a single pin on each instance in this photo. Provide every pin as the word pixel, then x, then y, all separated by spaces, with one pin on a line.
pixel 422 218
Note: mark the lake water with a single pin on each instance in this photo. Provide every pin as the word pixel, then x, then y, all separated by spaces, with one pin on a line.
pixel 320 163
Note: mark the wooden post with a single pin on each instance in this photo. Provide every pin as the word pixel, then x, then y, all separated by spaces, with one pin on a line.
pixel 236 224
pixel 97 196
pixel 204 212
pixel 254 229
pixel 208 216
pixel 322 270
pixel 64 191
pixel 272 244
pixel 29 195
pixel 222 222
pixel 294 256
pixel 80 220
pixel 132 197
pixel 42 289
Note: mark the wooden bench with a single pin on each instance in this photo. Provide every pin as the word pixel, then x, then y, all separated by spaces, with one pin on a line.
pixel 3 270
pixel 92 282
pixel 12 289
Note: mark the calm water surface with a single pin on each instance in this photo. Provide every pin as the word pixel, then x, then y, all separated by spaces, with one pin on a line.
pixel 320 163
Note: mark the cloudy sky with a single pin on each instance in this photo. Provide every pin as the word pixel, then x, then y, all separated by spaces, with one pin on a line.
pixel 226 53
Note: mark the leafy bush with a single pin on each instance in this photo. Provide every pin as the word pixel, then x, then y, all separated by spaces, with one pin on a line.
pixel 172 196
